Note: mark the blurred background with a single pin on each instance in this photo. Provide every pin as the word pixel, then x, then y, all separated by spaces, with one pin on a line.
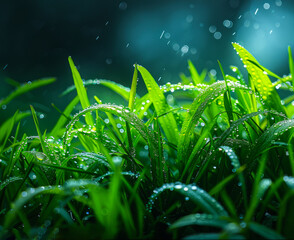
pixel 106 37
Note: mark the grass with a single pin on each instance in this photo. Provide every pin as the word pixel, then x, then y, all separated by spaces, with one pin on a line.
pixel 201 159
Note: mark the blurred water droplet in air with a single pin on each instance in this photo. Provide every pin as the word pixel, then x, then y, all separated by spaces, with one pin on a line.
pixel 217 35
pixel 278 3
pixel 108 61
pixel 266 6
pixel 227 23
pixel 212 28
pixel 189 18
pixel 184 49
pixel 123 5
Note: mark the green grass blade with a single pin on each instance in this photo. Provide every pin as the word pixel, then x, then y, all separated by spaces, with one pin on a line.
pixel 269 136
pixel 133 89
pixel 291 64
pixel 201 220
pixel 57 129
pixel 197 195
pixel 43 145
pixel 80 90
pixel 197 79
pixel 168 123
pixel 264 231
pixel 260 79
pixel 26 88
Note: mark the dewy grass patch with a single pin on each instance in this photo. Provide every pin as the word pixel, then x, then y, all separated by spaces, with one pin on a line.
pixel 218 165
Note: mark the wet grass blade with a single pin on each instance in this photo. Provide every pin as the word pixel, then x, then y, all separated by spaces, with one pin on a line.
pixel 80 90
pixel 168 123
pixel 201 220
pixel 260 79
pixel 291 64
pixel 22 89
pixel 264 231
pixel 133 89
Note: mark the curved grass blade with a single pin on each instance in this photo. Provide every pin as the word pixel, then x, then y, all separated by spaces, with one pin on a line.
pixel 123 91
pixel 9 180
pixel 201 220
pixel 212 236
pixel 197 195
pixel 196 110
pixel 260 79
pixel 26 88
pixel 168 123
pixel 264 231
pixel 269 136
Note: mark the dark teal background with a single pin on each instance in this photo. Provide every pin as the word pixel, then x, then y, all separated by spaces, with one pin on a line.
pixel 105 38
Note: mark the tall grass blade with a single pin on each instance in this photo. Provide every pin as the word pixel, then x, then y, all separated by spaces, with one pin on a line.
pixel 168 123
pixel 81 90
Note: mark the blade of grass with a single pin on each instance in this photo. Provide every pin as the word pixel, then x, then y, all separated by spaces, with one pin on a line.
pixel 81 90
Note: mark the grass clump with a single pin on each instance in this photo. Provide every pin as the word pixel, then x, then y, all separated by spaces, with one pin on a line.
pixel 199 159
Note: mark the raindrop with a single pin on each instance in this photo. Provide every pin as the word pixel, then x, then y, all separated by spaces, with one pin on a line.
pixel 127 45
pixel 247 23
pixel 167 35
pixel 5 67
pixel 97 38
pixel 271 31
pixel 217 35
pixel 42 116
pixel 184 49
pixel 256 11
pixel 213 72
pixel 4 107
pixel 278 3
pixel 108 61
pixel 106 23
pixel 161 34
pixel 227 23
pixel 123 5
pixel 193 51
pixel 212 28
pixel 266 6
pixel 189 18
pixel 176 47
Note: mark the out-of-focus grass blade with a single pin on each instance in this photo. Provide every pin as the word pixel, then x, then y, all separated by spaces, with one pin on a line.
pixel 39 131
pixel 81 90
pixel 291 64
pixel 57 130
pixel 168 123
pixel 6 127
pixel 227 96
pixel 26 88
pixel 194 74
pixel 264 231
